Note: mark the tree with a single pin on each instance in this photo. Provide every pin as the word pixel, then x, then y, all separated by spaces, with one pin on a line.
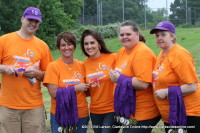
pixel 154 17
pixel 10 14
pixel 55 20
pixel 112 10
pixel 178 12
pixel 178 9
pixel 73 9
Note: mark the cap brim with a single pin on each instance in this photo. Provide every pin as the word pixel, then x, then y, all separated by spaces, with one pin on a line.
pixel 33 17
pixel 156 29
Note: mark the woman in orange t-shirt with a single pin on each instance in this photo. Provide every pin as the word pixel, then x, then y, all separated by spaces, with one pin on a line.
pixel 67 72
pixel 135 61
pixel 97 66
pixel 175 67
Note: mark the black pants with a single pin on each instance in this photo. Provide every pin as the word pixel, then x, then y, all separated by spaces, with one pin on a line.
pixel 141 124
pixel 193 124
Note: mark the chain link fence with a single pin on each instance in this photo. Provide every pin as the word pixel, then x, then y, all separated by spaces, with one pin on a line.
pixel 148 18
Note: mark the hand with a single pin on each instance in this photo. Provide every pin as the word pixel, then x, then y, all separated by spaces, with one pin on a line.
pixel 114 75
pixel 162 93
pixel 82 87
pixel 30 72
pixel 11 70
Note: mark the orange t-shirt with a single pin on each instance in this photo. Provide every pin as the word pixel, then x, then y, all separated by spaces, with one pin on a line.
pixel 64 75
pixel 177 68
pixel 18 92
pixel 139 63
pixel 101 87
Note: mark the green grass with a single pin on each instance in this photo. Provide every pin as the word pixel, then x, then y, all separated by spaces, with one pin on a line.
pixel 186 37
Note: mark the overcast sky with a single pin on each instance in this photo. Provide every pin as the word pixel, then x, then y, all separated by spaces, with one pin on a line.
pixel 159 3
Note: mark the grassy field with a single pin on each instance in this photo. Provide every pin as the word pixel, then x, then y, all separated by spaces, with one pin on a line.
pixel 188 38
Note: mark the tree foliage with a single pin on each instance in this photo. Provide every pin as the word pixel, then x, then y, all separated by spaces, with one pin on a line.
pixel 179 11
pixel 62 15
pixel 112 10
pixel 57 15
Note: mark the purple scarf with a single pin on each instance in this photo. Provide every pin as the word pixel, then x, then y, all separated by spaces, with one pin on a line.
pixel 177 113
pixel 66 107
pixel 124 97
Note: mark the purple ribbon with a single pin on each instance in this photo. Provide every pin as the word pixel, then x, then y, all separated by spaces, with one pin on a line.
pixel 124 97
pixel 66 107
pixel 177 112
pixel 20 70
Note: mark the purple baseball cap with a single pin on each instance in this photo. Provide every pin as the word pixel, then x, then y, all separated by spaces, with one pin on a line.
pixel 33 13
pixel 165 25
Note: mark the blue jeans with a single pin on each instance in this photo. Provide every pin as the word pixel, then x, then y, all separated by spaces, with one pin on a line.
pixel 99 121
pixel 81 121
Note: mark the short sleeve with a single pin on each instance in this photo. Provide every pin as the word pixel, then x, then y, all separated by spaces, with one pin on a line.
pixel 51 75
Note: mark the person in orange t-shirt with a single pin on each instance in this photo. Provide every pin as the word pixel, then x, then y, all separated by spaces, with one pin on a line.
pixel 66 72
pixel 23 61
pixel 97 66
pixel 136 61
pixel 175 67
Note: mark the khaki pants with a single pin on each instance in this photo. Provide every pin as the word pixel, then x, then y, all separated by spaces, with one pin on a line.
pixel 22 121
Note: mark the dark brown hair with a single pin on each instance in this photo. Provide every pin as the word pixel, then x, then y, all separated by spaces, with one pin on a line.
pixel 99 39
pixel 67 37
pixel 135 28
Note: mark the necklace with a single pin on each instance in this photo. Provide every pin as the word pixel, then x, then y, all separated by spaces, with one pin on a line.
pixel 70 67
pixel 161 60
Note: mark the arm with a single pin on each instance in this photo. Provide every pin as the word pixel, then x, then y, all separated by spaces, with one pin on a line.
pixel 137 84
pixel 186 90
pixel 30 73
pixel 11 70
pixel 52 90
pixel 184 68
pixel 82 87
pixel 34 73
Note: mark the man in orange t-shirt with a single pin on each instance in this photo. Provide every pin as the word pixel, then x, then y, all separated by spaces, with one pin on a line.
pixel 136 61
pixel 23 59
pixel 67 72
pixel 175 67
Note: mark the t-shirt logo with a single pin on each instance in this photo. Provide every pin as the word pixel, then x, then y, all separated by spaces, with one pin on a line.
pixel 103 66
pixel 123 66
pixel 94 78
pixel 24 61
pixel 71 82
pixel 75 79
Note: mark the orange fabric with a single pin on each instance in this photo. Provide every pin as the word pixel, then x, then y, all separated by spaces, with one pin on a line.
pixel 139 63
pixel 176 69
pixel 18 92
pixel 64 75
pixel 101 87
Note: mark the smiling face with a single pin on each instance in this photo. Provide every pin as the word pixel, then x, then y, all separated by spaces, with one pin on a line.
pixel 66 49
pixel 128 37
pixel 164 39
pixel 91 47
pixel 29 26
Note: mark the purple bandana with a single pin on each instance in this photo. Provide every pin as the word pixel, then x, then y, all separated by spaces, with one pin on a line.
pixel 177 113
pixel 66 107
pixel 124 97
